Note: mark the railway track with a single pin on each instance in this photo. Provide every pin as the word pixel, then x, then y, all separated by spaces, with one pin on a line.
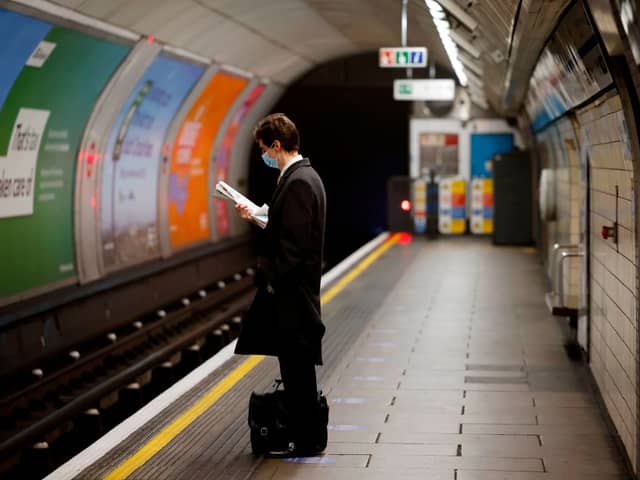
pixel 57 410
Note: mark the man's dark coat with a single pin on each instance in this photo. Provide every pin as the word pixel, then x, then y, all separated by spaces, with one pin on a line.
pixel 285 315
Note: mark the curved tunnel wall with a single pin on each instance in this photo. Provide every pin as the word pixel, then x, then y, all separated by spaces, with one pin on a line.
pixel 578 117
pixel 110 150
pixel 356 136
pixel 47 101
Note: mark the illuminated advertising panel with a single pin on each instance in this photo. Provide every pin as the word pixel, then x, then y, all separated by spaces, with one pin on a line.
pixel 20 37
pixel 50 79
pixel 189 169
pixel 224 154
pixel 630 18
pixel 132 162
pixel 571 68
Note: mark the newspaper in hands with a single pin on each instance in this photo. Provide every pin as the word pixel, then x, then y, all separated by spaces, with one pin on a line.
pixel 260 215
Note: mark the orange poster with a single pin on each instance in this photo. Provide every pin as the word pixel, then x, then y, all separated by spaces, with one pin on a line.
pixel 189 175
pixel 223 156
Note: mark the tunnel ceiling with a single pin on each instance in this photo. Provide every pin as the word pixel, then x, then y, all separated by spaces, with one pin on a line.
pixel 282 39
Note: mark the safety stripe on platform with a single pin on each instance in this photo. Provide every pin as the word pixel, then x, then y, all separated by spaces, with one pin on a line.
pixel 152 447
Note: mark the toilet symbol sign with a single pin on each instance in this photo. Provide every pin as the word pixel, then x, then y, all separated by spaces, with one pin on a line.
pixel 403 57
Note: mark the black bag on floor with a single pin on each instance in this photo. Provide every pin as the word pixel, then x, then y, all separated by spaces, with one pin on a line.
pixel 269 420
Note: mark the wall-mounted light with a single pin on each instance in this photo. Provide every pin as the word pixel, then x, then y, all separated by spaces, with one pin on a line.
pixel 454 9
pixel 472 65
pixel 444 31
pixel 474 81
pixel 464 43
pixel 479 101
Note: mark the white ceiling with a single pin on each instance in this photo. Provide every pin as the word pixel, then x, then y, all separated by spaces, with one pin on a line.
pixel 283 39
pixel 280 39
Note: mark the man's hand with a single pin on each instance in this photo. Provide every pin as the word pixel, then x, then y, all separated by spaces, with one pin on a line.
pixel 244 212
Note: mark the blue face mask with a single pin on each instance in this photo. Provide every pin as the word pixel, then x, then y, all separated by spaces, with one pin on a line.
pixel 269 161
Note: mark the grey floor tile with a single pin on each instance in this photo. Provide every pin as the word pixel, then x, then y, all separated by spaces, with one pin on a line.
pixel 446 425
pixel 563 399
pixel 471 463
pixel 374 396
pixel 501 446
pixel 297 472
pixel 398 435
pixel 581 465
pixel 484 475
pixel 591 428
pixel 354 433
pixel 514 398
pixel 438 449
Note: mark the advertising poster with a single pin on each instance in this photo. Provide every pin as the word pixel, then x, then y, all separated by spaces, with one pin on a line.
pixel 189 170
pixel 452 201
pixel 630 18
pixel 571 69
pixel 49 86
pixel 223 156
pixel 439 154
pixel 129 200
pixel 482 206
pixel 20 36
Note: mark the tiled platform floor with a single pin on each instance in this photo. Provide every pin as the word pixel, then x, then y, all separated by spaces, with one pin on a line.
pixel 461 375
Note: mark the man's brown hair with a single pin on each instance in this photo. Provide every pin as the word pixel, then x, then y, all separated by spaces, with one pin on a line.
pixel 278 126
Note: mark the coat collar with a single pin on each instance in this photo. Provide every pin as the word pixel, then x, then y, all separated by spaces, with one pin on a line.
pixel 302 163
pixel 295 166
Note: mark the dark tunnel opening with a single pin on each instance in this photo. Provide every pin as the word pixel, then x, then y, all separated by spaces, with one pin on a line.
pixel 356 136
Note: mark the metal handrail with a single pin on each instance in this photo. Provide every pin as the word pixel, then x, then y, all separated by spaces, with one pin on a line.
pixel 563 257
pixel 558 247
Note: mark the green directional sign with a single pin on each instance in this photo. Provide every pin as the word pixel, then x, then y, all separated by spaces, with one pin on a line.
pixel 437 89
pixel 404 88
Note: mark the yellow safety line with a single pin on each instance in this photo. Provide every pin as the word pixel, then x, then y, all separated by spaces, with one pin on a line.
pixel 347 279
pixel 132 463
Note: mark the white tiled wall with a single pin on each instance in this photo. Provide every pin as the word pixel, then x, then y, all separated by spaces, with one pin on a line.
pixel 560 148
pixel 568 186
pixel 612 282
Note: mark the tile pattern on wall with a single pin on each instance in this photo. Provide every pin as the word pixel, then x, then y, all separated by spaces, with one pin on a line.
pixel 560 145
pixel 612 282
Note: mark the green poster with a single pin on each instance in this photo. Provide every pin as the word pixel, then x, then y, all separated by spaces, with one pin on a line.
pixel 41 125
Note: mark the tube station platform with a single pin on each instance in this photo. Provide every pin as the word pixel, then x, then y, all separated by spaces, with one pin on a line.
pixel 441 362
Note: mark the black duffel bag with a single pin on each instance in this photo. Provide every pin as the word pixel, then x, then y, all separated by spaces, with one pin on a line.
pixel 269 423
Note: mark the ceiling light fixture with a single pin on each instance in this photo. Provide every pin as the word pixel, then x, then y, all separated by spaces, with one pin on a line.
pixel 464 43
pixel 444 30
pixel 454 9
pixel 474 82
pixel 472 65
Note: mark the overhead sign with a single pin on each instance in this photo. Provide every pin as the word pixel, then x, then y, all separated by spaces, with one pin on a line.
pixel 403 57
pixel 434 89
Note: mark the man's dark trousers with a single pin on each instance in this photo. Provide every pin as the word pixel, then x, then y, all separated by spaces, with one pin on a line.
pixel 301 393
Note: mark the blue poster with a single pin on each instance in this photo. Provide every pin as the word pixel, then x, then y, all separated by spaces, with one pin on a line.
pixel 132 161
pixel 19 39
pixel 483 147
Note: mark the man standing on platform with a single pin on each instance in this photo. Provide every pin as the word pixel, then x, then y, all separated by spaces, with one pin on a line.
pixel 284 319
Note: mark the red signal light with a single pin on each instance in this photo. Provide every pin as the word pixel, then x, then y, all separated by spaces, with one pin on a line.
pixel 405 205
pixel 404 238
pixel 150 39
